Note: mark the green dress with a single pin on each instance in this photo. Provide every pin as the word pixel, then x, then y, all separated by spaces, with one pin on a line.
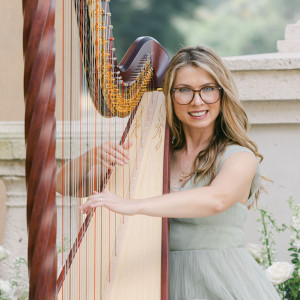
pixel 208 259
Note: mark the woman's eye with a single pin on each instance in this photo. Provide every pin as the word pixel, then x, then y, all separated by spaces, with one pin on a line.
pixel 184 90
pixel 208 88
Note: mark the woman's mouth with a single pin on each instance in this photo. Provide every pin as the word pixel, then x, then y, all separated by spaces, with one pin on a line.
pixel 198 113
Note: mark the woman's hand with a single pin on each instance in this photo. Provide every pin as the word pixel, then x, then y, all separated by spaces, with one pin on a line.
pixel 111 201
pixel 110 154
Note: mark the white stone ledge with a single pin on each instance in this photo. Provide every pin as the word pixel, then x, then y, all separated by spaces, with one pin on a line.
pixel 268 61
pixel 268 84
pixel 12 130
pixel 19 199
pixel 292 31
pixel 273 112
pixel 12 168
pixel 14 184
pixel 288 46
pixel 16 199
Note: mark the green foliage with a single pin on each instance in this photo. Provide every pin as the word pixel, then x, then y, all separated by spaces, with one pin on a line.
pixel 64 247
pixel 269 225
pixel 290 288
pixel 238 27
pixel 18 262
pixel 231 27
pixel 132 19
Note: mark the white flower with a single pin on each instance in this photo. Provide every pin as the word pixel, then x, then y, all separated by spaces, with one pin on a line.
pixel 293 235
pixel 279 272
pixel 297 244
pixel 257 251
pixel 6 291
pixel 295 223
pixel 3 253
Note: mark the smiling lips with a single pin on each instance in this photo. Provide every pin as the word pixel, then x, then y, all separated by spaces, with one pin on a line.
pixel 198 113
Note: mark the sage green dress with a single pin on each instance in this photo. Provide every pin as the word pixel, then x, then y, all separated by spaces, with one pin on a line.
pixel 208 259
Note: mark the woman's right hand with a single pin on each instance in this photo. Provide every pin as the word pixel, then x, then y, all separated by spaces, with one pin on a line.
pixel 110 154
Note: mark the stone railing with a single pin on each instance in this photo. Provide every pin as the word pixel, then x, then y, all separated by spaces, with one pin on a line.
pixel 269 87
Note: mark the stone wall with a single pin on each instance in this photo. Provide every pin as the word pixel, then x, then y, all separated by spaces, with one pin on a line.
pixel 269 87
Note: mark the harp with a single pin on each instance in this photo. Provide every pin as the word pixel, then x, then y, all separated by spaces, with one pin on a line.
pixel 99 255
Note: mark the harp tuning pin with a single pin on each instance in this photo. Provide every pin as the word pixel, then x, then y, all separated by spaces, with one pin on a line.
pixel 113 49
pixel 111 26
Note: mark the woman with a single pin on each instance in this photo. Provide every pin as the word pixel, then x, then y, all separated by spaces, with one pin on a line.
pixel 214 179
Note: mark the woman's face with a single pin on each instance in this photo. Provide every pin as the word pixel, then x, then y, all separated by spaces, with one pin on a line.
pixel 197 114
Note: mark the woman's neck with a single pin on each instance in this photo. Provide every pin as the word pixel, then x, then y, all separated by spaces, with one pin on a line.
pixel 196 140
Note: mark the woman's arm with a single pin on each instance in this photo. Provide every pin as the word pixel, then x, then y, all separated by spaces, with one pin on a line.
pixel 106 157
pixel 232 184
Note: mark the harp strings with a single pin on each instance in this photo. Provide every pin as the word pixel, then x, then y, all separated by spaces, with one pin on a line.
pixel 84 130
pixel 95 101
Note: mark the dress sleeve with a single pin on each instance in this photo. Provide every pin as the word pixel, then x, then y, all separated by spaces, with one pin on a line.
pixel 256 182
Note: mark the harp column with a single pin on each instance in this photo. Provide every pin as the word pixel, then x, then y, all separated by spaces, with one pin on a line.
pixel 39 96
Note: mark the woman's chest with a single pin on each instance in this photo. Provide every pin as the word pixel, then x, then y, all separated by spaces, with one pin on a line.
pixel 179 174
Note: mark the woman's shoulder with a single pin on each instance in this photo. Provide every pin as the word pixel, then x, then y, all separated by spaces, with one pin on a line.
pixel 256 182
pixel 231 149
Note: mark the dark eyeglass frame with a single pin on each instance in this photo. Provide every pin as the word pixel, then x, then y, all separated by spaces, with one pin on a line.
pixel 172 91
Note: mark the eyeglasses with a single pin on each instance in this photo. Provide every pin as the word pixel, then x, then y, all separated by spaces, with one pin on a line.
pixel 209 94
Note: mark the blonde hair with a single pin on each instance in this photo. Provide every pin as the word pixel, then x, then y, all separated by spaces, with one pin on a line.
pixel 231 125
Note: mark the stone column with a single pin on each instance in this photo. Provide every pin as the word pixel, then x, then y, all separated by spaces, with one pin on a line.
pixel 291 42
pixel 12 173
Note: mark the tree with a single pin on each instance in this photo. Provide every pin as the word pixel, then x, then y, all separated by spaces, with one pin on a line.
pixel 238 27
pixel 135 18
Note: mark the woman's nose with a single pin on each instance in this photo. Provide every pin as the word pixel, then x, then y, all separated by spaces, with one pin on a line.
pixel 197 100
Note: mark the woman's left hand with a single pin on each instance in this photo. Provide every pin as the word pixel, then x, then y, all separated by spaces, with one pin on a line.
pixel 112 202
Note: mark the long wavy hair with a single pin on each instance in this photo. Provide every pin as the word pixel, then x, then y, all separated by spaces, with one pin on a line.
pixel 231 125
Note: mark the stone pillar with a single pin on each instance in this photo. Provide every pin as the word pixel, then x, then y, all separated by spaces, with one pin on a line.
pixel 291 42
pixel 12 173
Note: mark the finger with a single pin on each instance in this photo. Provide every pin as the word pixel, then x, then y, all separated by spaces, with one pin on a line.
pixel 89 205
pixel 120 149
pixel 86 210
pixel 106 164
pixel 127 145
pixel 114 157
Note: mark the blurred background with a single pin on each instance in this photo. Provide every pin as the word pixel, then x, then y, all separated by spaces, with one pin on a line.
pixel 230 27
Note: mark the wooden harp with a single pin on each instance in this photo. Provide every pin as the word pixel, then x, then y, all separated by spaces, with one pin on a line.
pixel 93 265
